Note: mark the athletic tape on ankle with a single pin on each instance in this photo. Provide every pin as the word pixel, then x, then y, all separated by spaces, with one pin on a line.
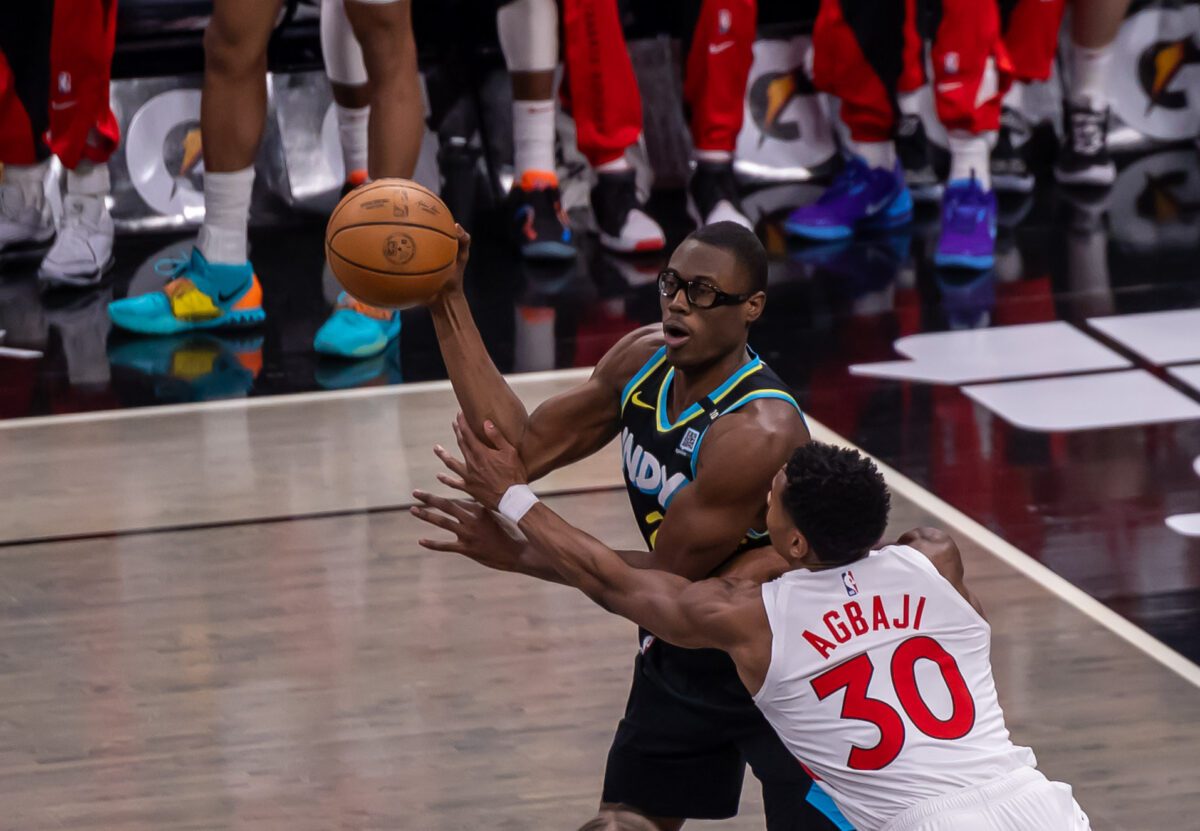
pixel 516 502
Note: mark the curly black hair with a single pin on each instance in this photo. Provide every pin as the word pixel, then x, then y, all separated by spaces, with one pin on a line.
pixel 838 500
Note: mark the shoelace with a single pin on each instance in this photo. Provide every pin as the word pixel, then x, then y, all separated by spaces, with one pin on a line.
pixel 1087 132
pixel 852 175
pixel 173 267
pixel 965 208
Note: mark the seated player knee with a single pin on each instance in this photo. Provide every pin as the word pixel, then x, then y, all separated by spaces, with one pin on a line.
pixel 231 53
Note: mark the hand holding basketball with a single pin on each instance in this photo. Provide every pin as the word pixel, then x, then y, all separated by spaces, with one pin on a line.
pixel 393 243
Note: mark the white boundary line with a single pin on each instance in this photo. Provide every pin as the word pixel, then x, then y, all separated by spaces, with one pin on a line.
pixel 516 380
pixel 901 484
pixel 1022 562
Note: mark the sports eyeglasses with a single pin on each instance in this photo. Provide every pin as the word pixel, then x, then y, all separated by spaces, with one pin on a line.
pixel 699 294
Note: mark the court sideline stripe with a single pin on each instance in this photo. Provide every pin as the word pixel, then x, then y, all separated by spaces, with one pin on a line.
pixel 273 519
pixel 919 496
pixel 279 400
pixel 1005 551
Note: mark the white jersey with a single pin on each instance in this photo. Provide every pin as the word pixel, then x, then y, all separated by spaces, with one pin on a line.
pixel 881 684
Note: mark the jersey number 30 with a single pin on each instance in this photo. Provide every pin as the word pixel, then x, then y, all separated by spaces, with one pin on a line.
pixel 854 676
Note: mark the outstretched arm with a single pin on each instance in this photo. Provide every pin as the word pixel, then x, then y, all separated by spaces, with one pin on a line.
pixel 721 613
pixel 564 428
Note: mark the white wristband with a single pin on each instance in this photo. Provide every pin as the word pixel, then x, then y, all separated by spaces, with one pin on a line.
pixel 516 502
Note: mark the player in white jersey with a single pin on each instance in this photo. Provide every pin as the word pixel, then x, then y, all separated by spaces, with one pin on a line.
pixel 872 666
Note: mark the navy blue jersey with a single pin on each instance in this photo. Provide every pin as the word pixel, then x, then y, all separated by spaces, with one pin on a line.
pixel 660 460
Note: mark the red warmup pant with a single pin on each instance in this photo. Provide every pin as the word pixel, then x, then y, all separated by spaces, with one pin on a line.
pixel 603 90
pixel 70 117
pixel 865 51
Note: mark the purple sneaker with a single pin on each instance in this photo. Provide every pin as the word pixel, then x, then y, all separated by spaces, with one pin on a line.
pixel 860 198
pixel 968 226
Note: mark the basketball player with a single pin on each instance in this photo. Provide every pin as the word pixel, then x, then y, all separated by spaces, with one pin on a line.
pixel 55 62
pixel 870 56
pixel 216 286
pixel 608 114
pixel 704 425
pixel 528 31
pixel 872 666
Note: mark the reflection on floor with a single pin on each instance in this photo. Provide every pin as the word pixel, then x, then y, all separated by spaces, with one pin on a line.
pixel 1076 436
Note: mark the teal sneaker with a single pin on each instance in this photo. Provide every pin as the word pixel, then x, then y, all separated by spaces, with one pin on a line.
pixel 193 300
pixel 356 330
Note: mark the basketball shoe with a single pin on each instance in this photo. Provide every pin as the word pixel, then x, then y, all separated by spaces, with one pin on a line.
pixel 860 198
pixel 25 220
pixel 968 237
pixel 916 158
pixel 84 248
pixel 539 227
pixel 713 195
pixel 1083 158
pixel 200 295
pixel 356 330
pixel 625 227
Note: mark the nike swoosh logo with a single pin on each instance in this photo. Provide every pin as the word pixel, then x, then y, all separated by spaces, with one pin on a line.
pixel 225 298
pixel 639 403
pixel 873 207
pixel 949 85
pixel 62 105
pixel 718 48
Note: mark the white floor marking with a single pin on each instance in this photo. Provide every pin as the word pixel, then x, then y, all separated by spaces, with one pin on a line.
pixel 517 381
pixel 1159 337
pixel 1086 402
pixel 1190 375
pixel 994 354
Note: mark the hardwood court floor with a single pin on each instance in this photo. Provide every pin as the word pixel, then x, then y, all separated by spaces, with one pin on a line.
pixel 327 673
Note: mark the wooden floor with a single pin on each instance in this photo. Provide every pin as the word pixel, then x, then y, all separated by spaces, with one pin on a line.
pixel 326 673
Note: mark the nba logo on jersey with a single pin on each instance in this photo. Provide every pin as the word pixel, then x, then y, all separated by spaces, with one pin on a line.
pixel 688 443
pixel 848 582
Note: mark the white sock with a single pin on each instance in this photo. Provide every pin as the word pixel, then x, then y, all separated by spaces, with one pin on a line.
pixel 31 179
pixel 876 153
pixel 352 131
pixel 88 179
pixel 970 154
pixel 617 165
pixel 1089 72
pixel 533 136
pixel 226 214
pixel 712 156
pixel 909 102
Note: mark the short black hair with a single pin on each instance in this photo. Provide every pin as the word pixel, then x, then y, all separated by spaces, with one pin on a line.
pixel 838 500
pixel 742 243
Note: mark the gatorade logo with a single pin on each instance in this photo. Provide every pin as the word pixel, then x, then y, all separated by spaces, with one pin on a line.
pixel 768 99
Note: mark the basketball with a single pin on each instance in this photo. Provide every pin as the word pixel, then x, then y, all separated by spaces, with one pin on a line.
pixel 391 243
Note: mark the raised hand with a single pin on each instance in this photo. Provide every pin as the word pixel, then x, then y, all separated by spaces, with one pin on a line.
pixel 477 534
pixel 485 473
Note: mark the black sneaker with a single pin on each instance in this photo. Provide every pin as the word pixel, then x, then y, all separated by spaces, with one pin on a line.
pixel 1083 157
pixel 625 227
pixel 539 227
pixel 912 147
pixel 713 195
pixel 1010 170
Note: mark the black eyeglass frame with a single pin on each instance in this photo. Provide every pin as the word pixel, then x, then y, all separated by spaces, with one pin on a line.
pixel 720 298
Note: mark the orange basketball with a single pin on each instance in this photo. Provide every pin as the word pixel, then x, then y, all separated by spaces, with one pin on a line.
pixel 391 243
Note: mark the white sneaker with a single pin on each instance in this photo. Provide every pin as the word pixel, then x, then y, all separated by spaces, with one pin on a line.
pixel 624 226
pixel 83 250
pixel 25 220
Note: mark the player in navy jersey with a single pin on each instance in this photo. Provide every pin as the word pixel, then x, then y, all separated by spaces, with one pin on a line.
pixel 704 426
